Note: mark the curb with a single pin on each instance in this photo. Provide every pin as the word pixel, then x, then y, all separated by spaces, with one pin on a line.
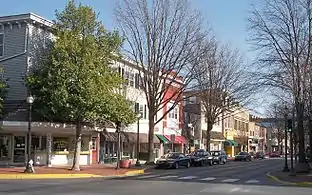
pixel 301 184
pixel 66 176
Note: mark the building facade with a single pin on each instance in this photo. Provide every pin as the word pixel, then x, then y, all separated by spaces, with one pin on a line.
pixel 23 38
pixel 229 133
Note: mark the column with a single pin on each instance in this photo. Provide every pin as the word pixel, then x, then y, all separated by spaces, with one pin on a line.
pixel 49 149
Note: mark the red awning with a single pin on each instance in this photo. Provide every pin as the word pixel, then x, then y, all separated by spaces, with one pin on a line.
pixel 178 139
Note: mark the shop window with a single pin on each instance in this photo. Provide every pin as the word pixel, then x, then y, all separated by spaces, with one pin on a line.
pixel 60 144
pixel 93 146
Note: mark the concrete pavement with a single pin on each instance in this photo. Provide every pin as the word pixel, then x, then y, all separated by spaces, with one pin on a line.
pixel 233 172
pixel 241 171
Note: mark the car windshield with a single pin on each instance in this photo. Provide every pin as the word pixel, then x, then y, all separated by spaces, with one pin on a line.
pixel 215 153
pixel 242 153
pixel 172 155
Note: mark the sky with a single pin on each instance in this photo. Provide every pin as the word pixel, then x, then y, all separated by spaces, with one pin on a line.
pixel 228 18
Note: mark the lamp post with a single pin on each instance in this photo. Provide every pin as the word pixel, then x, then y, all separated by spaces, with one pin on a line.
pixel 137 163
pixel 290 129
pixel 29 162
pixel 286 169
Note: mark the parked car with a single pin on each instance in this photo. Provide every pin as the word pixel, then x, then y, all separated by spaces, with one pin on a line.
pixel 173 160
pixel 200 158
pixel 243 156
pixel 219 156
pixel 259 155
pixel 274 154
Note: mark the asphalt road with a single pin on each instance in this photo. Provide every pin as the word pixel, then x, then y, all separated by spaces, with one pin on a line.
pixel 236 178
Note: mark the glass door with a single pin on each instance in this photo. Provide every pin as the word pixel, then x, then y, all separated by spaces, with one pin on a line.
pixel 19 149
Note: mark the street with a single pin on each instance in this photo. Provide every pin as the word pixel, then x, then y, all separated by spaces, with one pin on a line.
pixel 232 178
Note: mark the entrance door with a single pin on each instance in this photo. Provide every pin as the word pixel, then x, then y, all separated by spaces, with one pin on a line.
pixel 19 149
pixel 5 148
pixel 94 149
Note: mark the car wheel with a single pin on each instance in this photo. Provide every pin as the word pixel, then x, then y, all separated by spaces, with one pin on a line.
pixel 188 165
pixel 176 165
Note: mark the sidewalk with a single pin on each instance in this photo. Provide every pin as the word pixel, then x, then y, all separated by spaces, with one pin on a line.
pixel 304 180
pixel 94 171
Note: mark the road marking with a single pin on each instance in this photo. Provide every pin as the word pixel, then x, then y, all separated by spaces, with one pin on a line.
pixel 252 181
pixel 208 179
pixel 230 180
pixel 188 177
pixel 310 175
pixel 168 177
pixel 147 176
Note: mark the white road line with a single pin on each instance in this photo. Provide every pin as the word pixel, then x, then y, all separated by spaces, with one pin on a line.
pixel 168 177
pixel 147 176
pixel 208 179
pixel 252 181
pixel 230 180
pixel 187 177
pixel 310 175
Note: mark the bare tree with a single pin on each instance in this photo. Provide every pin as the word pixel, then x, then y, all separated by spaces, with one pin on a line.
pixel 281 31
pixel 163 39
pixel 222 82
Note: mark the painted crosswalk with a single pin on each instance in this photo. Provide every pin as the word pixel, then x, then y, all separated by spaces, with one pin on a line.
pixel 197 178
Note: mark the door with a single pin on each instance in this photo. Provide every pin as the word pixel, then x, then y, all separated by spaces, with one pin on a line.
pixel 94 149
pixel 19 149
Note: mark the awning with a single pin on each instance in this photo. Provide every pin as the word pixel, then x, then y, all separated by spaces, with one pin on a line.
pixel 113 137
pixel 178 139
pixel 132 137
pixel 231 142
pixel 162 138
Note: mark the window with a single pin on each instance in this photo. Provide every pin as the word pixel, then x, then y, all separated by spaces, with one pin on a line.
pixel 131 79
pixel 235 124
pixel 173 113
pixel 1 44
pixel 93 146
pixel 141 110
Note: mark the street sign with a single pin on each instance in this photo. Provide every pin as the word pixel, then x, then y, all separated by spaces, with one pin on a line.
pixel 172 137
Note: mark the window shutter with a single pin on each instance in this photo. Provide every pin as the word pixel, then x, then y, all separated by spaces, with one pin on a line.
pixel 137 81
pixel 144 111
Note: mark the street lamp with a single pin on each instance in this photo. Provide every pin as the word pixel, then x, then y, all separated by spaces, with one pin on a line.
pixel 29 162
pixel 137 163
pixel 286 169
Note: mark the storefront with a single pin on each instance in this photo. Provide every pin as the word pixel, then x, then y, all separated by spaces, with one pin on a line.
pixel 176 146
pixel 47 148
pixel 109 146
pixel 230 145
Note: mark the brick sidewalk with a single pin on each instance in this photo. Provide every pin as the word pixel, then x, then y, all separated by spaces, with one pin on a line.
pixel 102 170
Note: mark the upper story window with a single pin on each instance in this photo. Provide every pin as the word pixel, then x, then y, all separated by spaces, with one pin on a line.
pixel 1 44
pixel 173 114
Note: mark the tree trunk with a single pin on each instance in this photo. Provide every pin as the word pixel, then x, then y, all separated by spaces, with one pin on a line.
pixel 302 166
pixel 151 126
pixel 209 128
pixel 76 158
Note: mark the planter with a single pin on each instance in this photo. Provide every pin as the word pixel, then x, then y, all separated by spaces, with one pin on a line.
pixel 124 163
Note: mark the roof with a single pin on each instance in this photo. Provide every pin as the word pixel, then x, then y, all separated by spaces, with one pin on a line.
pixel 25 17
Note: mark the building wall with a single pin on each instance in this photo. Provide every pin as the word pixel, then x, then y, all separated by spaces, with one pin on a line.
pixel 14 61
